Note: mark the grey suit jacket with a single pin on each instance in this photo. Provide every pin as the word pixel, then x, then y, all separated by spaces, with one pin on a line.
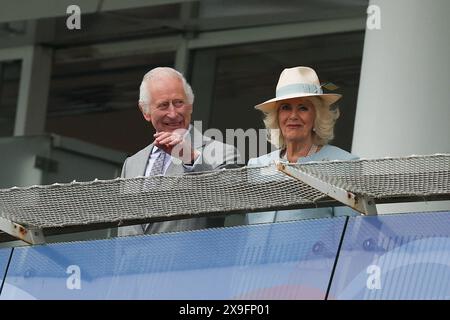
pixel 213 155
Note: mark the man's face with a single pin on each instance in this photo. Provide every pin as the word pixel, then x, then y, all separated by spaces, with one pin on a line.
pixel 169 109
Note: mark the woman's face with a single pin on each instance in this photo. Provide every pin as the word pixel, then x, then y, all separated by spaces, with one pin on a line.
pixel 296 119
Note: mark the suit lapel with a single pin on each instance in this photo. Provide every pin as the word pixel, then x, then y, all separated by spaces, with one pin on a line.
pixel 141 162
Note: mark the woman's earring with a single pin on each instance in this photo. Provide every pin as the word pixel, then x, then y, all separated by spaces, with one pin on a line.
pixel 314 129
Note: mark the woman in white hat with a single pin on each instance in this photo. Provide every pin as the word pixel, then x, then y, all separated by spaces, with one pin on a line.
pixel 300 123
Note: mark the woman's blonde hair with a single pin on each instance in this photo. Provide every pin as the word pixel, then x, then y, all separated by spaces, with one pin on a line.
pixel 323 133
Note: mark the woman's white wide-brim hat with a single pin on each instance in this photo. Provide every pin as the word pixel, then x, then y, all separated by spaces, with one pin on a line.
pixel 298 82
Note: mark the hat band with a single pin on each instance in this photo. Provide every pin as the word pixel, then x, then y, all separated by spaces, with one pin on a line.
pixel 298 88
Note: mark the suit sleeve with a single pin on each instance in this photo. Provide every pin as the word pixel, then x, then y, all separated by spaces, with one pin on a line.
pixel 123 174
pixel 232 158
pixel 215 156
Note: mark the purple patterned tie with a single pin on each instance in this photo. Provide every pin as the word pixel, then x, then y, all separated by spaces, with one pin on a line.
pixel 158 165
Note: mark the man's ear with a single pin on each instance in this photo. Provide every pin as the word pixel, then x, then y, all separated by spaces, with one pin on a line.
pixel 147 116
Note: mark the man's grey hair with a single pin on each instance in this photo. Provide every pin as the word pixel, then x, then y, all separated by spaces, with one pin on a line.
pixel 158 73
pixel 323 124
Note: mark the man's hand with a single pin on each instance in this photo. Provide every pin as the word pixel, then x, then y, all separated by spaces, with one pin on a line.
pixel 178 144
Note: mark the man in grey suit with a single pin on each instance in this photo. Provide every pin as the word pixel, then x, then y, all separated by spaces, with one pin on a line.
pixel 166 101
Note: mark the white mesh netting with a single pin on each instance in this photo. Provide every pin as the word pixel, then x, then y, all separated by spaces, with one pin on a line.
pixel 233 190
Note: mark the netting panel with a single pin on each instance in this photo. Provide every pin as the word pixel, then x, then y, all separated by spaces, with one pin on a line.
pixel 242 189
pixel 390 177
pixel 145 197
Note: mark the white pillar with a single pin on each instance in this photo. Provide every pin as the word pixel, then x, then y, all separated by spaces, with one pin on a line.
pixel 404 97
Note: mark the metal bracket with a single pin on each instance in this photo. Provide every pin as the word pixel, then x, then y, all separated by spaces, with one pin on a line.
pixel 363 204
pixel 29 235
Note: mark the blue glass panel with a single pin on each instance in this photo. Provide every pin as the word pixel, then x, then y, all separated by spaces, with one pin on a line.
pixel 289 260
pixel 404 256
pixel 4 257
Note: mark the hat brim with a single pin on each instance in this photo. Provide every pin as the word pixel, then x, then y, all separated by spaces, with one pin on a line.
pixel 270 105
